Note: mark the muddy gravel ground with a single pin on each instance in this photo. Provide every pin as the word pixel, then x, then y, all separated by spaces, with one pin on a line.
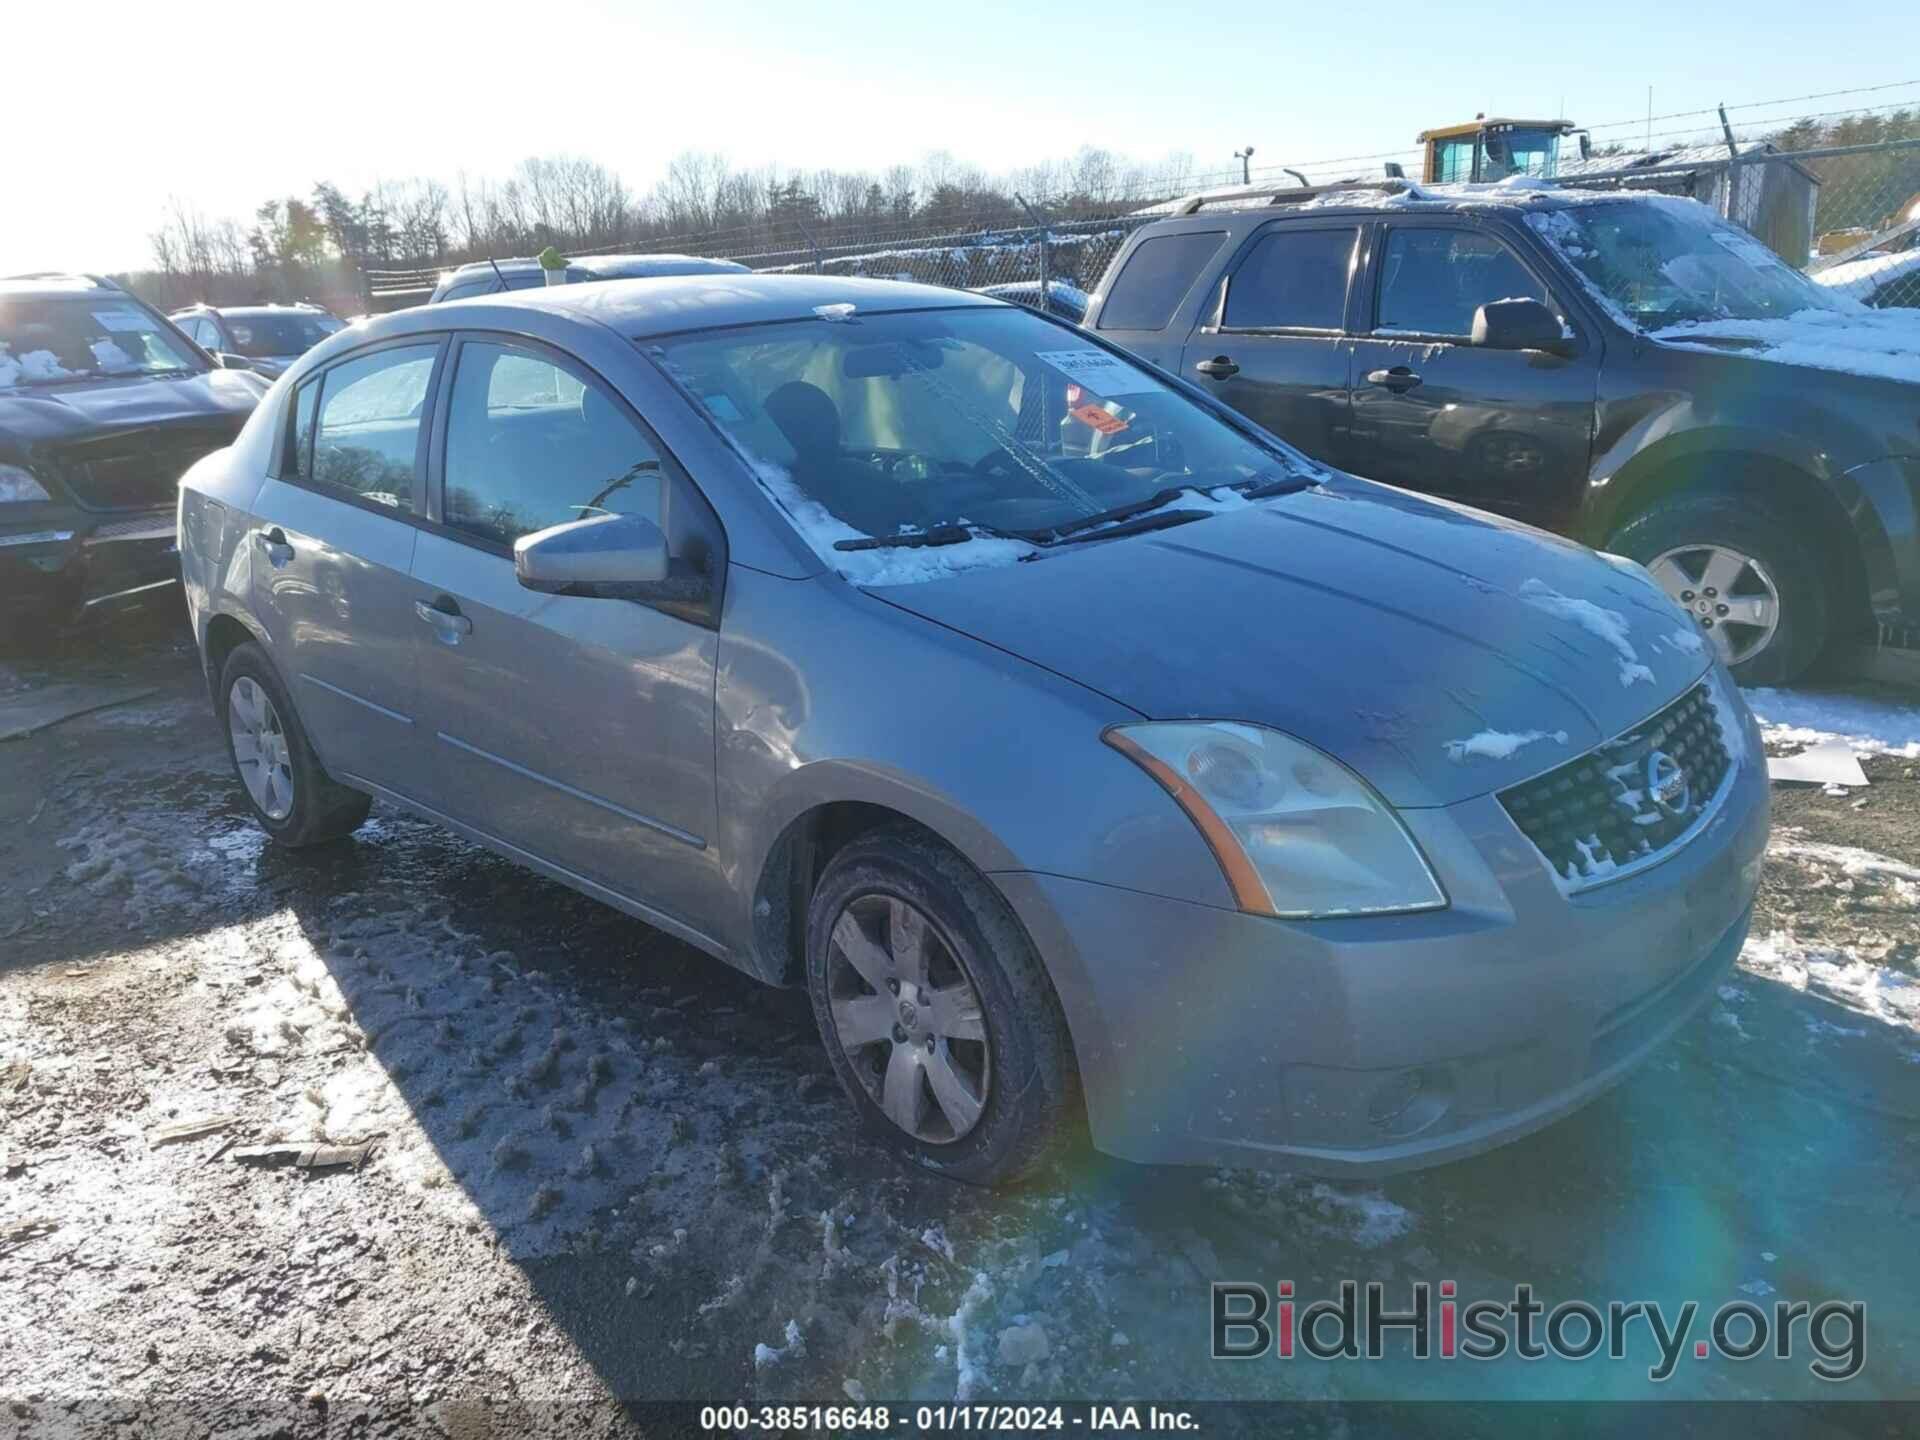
pixel 607 1170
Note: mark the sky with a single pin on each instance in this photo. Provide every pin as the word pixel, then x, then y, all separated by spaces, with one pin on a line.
pixel 115 111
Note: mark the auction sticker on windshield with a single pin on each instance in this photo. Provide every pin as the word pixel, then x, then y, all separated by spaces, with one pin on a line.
pixel 120 321
pixel 1098 371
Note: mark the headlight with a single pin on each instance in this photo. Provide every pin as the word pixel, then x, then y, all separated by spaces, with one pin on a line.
pixel 1297 834
pixel 18 486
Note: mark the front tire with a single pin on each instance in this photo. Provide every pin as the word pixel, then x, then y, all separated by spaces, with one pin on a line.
pixel 295 801
pixel 1750 581
pixel 936 1012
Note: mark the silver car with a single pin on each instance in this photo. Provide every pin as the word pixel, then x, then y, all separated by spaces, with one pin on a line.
pixel 1088 754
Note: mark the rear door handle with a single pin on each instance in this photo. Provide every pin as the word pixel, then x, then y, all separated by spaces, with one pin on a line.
pixel 450 626
pixel 1399 379
pixel 1218 368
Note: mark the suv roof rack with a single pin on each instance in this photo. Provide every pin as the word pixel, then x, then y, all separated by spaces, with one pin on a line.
pixel 1291 194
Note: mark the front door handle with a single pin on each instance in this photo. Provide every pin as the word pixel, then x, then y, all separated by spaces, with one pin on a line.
pixel 450 626
pixel 1399 379
pixel 274 542
pixel 1218 368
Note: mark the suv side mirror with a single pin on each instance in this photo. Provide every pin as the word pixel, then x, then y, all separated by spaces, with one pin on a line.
pixel 1523 324
pixel 228 361
pixel 608 557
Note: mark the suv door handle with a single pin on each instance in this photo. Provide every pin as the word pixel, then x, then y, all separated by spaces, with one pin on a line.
pixel 1399 379
pixel 1218 368
pixel 274 542
pixel 450 626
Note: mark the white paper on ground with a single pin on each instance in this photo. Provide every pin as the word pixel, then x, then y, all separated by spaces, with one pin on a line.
pixel 1832 762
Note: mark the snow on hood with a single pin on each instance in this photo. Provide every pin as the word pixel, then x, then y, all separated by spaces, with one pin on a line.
pixel 1883 344
pixel 1438 652
pixel 909 565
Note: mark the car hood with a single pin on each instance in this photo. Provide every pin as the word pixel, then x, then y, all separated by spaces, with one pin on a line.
pixel 1439 652
pixel 31 415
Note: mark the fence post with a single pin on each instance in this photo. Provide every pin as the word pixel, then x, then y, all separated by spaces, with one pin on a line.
pixel 1046 294
pixel 1733 166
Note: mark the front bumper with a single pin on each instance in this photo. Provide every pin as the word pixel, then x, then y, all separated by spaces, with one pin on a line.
pixel 1371 1045
pixel 65 559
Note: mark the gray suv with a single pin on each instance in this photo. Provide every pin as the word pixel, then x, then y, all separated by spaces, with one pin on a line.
pixel 1625 369
pixel 1081 748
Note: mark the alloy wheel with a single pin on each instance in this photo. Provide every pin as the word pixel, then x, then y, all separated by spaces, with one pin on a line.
pixel 1730 596
pixel 260 748
pixel 908 1018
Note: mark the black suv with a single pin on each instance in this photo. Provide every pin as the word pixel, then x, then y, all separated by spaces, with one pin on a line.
pixel 1626 369
pixel 103 406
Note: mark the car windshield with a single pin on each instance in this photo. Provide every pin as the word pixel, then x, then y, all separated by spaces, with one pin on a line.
pixel 901 423
pixel 1661 264
pixel 45 341
pixel 290 333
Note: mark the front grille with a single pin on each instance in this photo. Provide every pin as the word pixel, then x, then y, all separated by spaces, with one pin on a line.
pixel 1628 801
pixel 137 472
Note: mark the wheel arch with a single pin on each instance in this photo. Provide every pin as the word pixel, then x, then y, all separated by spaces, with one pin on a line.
pixel 226 632
pixel 1844 528
pixel 817 829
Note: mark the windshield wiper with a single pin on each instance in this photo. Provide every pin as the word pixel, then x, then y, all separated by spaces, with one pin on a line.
pixel 1273 485
pixel 1050 534
pixel 1139 525
pixel 930 538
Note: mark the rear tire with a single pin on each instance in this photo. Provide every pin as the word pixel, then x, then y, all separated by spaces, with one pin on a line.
pixel 967 1043
pixel 1677 537
pixel 295 801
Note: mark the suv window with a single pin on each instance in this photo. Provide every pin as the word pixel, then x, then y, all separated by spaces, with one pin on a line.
pixel 530 444
pixel 1158 273
pixel 1292 279
pixel 1433 279
pixel 367 432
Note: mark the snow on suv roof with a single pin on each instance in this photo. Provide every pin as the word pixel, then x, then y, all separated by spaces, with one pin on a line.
pixel 1519 191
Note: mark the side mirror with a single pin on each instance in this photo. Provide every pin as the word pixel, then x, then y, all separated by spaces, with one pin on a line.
pixel 1523 324
pixel 229 361
pixel 607 557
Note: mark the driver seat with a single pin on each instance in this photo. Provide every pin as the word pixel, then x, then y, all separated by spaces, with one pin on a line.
pixel 809 420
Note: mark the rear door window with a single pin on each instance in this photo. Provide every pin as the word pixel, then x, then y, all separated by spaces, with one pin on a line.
pixel 1433 279
pixel 366 434
pixel 1156 277
pixel 1292 279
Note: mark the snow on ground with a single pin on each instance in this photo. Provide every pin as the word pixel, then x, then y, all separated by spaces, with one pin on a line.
pixel 1810 717
pixel 1837 975
pixel 1883 344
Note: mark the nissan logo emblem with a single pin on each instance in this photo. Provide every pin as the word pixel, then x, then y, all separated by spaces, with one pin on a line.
pixel 1667 783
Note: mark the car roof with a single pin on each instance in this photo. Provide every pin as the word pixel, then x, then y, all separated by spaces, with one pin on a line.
pixel 47 284
pixel 604 264
pixel 668 304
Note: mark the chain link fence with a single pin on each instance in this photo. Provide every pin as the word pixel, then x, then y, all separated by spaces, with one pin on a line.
pixel 1847 215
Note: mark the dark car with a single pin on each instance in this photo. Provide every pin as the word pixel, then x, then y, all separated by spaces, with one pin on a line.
pixel 103 406
pixel 1069 302
pixel 490 277
pixel 268 337
pixel 1626 369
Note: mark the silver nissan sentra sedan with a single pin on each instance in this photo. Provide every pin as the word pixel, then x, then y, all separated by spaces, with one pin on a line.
pixel 1090 755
